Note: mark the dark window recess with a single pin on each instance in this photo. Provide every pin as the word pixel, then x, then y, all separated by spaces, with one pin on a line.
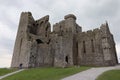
pixel 66 59
pixel 92 45
pixel 39 41
pixel 46 34
pixel 41 23
pixel 46 30
pixel 48 41
pixel 20 66
pixel 32 56
pixel 77 49
pixel 84 47
pixel 34 24
pixel 60 27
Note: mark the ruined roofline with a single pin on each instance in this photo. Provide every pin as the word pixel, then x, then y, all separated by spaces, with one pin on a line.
pixel 29 13
pixel 46 18
pixel 104 25
pixel 70 16
pixel 66 17
pixel 92 30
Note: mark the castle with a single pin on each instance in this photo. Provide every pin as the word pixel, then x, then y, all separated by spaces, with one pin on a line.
pixel 37 46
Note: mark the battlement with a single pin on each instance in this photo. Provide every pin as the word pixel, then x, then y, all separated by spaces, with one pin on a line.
pixel 29 13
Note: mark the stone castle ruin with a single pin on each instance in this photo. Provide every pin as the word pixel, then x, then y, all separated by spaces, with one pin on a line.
pixel 66 45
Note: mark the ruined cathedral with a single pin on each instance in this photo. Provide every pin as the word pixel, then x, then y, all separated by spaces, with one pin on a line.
pixel 67 45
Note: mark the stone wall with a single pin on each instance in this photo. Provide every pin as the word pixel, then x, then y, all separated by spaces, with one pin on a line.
pixel 22 45
pixel 67 45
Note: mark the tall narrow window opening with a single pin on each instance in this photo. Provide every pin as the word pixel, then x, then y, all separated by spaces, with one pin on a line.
pixel 66 59
pixel 46 31
pixel 92 45
pixel 84 47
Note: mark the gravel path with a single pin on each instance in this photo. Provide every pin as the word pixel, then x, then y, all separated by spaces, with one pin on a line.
pixel 9 74
pixel 90 74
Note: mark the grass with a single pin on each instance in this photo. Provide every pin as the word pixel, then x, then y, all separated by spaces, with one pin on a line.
pixel 110 75
pixel 45 73
pixel 4 71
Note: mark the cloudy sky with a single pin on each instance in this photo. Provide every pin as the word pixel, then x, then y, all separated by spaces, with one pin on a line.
pixel 90 14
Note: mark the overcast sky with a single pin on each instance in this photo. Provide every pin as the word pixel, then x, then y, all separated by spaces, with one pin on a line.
pixel 90 14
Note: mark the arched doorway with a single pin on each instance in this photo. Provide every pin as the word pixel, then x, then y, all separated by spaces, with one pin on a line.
pixel 66 59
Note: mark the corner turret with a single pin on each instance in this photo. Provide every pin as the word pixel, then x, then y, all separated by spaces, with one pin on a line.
pixel 70 16
pixel 70 23
pixel 105 28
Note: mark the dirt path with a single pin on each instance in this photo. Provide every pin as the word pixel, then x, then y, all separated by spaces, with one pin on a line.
pixel 90 74
pixel 9 74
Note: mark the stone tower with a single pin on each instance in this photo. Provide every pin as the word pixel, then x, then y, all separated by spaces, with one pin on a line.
pixel 22 45
pixel 67 45
pixel 32 42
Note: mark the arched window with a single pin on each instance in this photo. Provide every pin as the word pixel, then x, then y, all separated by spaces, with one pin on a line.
pixel 39 41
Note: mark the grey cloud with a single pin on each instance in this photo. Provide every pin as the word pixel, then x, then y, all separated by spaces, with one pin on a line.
pixel 7 44
pixel 15 3
pixel 96 12
pixel 45 4
pixel 5 19
pixel 103 8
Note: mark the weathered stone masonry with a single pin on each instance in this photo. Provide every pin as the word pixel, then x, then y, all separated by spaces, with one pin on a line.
pixel 67 45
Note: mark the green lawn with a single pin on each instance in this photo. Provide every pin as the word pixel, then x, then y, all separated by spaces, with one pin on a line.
pixel 4 71
pixel 45 73
pixel 110 75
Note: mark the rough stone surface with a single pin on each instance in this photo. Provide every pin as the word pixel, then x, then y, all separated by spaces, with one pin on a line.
pixel 66 45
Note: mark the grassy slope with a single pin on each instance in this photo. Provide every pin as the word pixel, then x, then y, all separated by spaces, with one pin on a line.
pixel 110 75
pixel 45 73
pixel 4 71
